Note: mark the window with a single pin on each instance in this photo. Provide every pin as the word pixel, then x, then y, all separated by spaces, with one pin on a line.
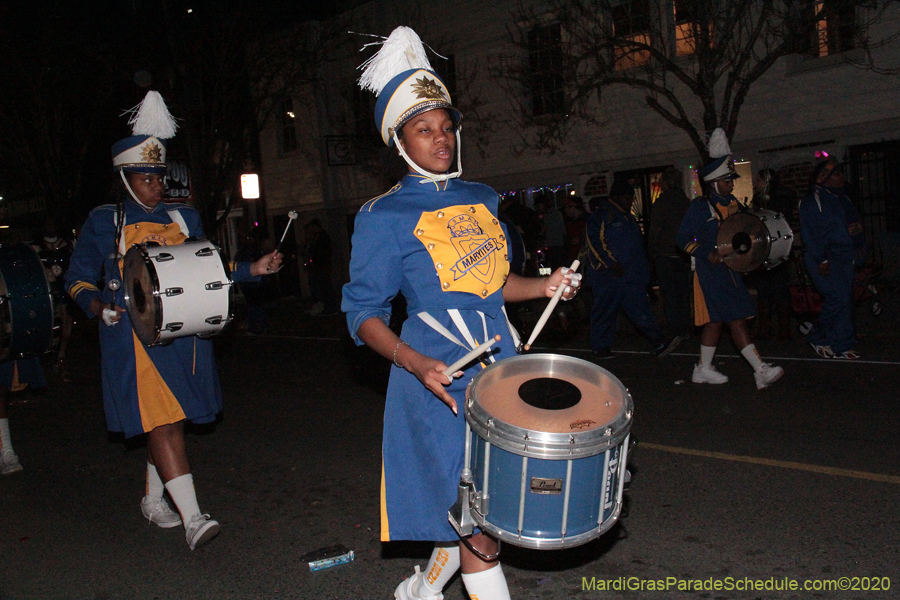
pixel 631 21
pixel 545 62
pixel 685 42
pixel 287 126
pixel 832 25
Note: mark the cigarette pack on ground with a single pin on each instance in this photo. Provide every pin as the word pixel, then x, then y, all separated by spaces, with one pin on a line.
pixel 324 558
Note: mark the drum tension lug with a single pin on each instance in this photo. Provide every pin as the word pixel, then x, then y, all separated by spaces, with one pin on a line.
pixel 174 326
pixel 163 257
pixel 217 320
pixel 204 252
pixel 215 285
pixel 174 291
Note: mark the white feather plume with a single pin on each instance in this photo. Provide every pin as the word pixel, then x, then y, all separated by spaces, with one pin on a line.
pixel 401 51
pixel 718 144
pixel 152 117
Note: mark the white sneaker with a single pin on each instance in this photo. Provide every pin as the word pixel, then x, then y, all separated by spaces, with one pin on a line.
pixel 766 375
pixel 708 375
pixel 404 591
pixel 9 463
pixel 200 531
pixel 157 510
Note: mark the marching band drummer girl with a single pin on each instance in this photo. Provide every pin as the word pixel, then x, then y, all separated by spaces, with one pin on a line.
pixel 151 390
pixel 719 293
pixel 437 240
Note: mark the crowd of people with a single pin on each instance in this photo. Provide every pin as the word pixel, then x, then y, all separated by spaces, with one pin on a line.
pixel 434 223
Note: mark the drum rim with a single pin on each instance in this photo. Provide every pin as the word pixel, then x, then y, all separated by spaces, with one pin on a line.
pixel 535 543
pixel 547 445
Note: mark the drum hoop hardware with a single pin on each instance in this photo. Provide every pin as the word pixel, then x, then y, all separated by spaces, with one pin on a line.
pixel 174 291
pixel 173 326
pixel 216 285
pixel 163 257
pixel 204 252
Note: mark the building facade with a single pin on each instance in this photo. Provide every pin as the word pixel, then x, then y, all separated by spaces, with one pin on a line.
pixel 320 157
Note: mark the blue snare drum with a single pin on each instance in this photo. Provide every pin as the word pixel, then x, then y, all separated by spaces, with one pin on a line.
pixel 546 447
pixel 27 321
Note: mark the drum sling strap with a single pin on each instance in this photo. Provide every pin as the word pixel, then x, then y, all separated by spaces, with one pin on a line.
pixel 173 214
pixel 457 319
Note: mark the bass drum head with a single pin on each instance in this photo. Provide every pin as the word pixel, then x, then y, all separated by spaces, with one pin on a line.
pixel 743 242
pixel 141 301
pixel 28 311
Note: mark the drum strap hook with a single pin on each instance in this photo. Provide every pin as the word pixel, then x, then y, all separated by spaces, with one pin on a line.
pixel 479 553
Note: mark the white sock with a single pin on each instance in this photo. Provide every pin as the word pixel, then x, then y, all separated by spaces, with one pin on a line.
pixel 155 487
pixel 706 355
pixel 5 440
pixel 752 355
pixel 486 585
pixel 444 562
pixel 182 491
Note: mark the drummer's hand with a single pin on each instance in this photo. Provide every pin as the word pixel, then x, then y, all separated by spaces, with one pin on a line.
pixel 715 258
pixel 430 372
pixel 101 309
pixel 824 269
pixel 566 277
pixel 268 264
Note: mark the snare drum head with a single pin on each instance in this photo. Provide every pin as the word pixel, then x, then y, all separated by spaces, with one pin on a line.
pixel 561 400
pixel 141 300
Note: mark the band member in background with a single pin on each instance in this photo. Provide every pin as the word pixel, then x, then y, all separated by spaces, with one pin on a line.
pixel 55 252
pixel 415 240
pixel 719 293
pixel 150 390
pixel 833 246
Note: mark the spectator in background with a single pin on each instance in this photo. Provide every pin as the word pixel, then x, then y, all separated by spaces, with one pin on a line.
pixel 833 244
pixel 773 295
pixel 618 273
pixel 256 293
pixel 553 238
pixel 673 267
pixel 576 220
pixel 524 219
pixel 317 261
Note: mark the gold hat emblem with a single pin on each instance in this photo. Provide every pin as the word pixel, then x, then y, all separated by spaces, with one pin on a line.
pixel 428 88
pixel 151 152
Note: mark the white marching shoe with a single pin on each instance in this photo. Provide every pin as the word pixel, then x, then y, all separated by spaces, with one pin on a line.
pixel 708 374
pixel 766 375
pixel 405 591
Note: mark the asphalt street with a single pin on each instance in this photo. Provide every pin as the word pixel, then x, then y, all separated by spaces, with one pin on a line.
pixel 732 487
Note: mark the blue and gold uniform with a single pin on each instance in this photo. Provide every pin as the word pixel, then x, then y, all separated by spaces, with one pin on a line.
pixel 720 295
pixel 442 246
pixel 144 387
pixel 832 232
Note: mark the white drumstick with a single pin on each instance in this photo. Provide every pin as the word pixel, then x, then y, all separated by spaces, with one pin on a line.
pixel 470 356
pixel 546 314
pixel 291 216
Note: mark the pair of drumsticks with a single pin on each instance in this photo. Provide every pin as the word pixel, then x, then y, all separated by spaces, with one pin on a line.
pixel 476 352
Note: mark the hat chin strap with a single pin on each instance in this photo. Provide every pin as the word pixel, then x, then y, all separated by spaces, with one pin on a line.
pixel 431 177
pixel 131 191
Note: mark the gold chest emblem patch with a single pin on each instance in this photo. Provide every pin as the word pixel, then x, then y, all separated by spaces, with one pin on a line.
pixel 468 248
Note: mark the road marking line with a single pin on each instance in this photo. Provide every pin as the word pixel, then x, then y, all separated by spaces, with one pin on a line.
pixel 775 463
pixel 833 361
